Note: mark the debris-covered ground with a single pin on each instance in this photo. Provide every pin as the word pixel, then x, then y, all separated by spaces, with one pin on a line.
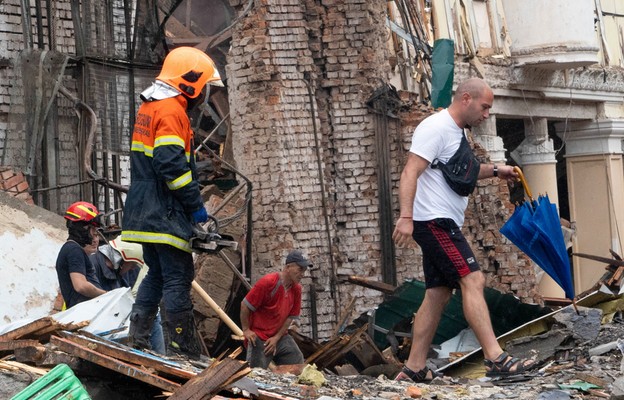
pixel 591 369
pixel 573 374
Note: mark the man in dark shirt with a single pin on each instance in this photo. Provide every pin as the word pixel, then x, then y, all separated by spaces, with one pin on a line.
pixel 76 275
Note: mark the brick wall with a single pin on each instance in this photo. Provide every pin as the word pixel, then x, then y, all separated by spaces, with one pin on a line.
pixel 338 53
pixel 338 49
pixel 14 183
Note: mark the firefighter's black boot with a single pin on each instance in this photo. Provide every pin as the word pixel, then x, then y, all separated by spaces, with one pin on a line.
pixel 141 323
pixel 182 337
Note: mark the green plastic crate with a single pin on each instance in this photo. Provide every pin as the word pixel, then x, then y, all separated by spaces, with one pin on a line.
pixel 58 384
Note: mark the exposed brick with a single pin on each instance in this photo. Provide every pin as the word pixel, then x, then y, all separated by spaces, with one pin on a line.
pixel 12 181
pixel 6 173
pixel 22 186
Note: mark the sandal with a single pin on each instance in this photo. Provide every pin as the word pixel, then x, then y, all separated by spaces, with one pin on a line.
pixel 506 365
pixel 407 374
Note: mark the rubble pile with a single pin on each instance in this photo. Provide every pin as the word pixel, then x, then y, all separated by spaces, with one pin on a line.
pixel 580 356
pixel 572 372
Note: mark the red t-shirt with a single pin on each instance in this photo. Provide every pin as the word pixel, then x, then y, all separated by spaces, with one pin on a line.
pixel 271 304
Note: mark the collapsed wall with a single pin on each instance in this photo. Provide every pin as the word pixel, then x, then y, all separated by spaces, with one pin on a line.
pixel 30 239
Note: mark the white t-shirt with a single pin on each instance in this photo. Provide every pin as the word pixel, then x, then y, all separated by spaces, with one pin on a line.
pixel 437 136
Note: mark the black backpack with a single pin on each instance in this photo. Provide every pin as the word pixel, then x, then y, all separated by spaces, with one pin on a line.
pixel 462 170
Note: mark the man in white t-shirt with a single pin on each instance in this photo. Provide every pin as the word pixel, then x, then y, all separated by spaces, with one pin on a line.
pixel 433 216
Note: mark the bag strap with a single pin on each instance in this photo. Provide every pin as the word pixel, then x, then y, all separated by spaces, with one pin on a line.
pixel 436 163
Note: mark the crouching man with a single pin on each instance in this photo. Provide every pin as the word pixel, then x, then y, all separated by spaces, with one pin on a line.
pixel 268 310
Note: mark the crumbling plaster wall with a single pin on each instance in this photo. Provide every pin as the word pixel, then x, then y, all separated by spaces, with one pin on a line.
pixel 339 50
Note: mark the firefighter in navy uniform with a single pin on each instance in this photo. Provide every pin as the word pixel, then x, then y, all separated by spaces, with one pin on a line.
pixel 164 198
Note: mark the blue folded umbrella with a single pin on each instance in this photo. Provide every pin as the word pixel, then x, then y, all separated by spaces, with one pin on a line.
pixel 535 228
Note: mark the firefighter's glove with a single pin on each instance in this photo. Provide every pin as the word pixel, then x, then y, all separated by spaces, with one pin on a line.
pixel 200 215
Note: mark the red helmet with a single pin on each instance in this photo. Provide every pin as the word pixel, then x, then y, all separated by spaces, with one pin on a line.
pixel 83 211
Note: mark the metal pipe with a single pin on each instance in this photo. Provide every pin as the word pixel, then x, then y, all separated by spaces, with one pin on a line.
pixel 89 144
pixel 228 198
pixel 26 25
pixel 39 17
pixel 313 316
pixel 230 264
pixel 333 278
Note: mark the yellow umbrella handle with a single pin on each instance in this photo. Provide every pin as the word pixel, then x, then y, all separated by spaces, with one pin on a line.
pixel 524 182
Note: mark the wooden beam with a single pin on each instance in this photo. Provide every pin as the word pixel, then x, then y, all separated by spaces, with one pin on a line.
pixel 17 366
pixel 18 344
pixel 128 355
pixel 105 361
pixel 45 356
pixel 371 284
pixel 27 329
pixel 346 313
pixel 606 260
pixel 212 380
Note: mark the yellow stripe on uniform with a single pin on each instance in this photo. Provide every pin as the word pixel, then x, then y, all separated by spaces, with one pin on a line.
pixel 180 181
pixel 169 140
pixel 142 148
pixel 151 237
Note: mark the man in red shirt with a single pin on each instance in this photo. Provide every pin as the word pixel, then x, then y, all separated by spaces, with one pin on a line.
pixel 268 310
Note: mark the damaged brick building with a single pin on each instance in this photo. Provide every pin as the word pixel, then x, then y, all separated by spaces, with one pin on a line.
pixel 307 119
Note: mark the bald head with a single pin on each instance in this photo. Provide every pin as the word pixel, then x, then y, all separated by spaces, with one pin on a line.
pixel 471 103
pixel 475 87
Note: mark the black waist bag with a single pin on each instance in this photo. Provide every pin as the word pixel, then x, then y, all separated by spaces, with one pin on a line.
pixel 462 170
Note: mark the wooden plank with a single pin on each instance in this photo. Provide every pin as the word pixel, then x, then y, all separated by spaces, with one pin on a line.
pixel 368 283
pixel 27 329
pixel 616 276
pixel 615 255
pixel 121 367
pixel 18 344
pixel 344 316
pixel 128 356
pixel 211 380
pixel 30 354
pixel 17 366
pixel 329 353
pixel 353 341
pixel 324 348
pixel 44 356
pixel 610 261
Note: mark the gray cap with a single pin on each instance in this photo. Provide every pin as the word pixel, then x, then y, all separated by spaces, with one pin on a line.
pixel 295 256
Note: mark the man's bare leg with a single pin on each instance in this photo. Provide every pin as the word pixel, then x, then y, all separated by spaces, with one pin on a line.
pixel 477 313
pixel 426 322
pixel 478 317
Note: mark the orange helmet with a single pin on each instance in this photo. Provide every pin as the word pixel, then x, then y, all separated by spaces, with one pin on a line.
pixel 83 211
pixel 189 69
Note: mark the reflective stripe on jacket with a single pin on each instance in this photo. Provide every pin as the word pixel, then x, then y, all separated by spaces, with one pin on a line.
pixel 164 190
